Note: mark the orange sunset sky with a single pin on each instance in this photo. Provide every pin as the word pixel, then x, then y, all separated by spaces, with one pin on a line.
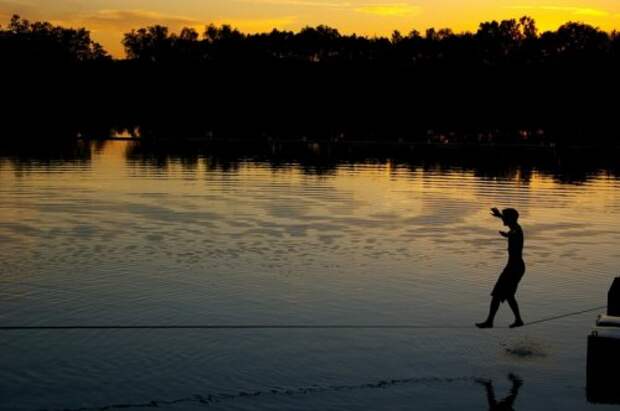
pixel 109 19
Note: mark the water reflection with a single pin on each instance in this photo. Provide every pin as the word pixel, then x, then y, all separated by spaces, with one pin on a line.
pixel 25 157
pixel 138 234
pixel 515 163
pixel 505 404
pixel 305 396
pixel 324 159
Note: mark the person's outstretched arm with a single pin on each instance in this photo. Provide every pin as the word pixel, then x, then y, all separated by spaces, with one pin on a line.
pixel 496 213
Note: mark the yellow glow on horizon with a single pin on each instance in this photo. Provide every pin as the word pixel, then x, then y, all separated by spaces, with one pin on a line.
pixel 108 20
pixel 398 9
pixel 258 25
pixel 576 11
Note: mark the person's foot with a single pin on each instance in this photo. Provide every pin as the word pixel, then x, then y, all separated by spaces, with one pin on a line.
pixel 485 324
pixel 517 323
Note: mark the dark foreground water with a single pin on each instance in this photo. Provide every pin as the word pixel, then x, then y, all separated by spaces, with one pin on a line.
pixel 109 239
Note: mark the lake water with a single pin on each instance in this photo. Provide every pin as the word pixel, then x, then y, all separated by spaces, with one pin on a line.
pixel 107 238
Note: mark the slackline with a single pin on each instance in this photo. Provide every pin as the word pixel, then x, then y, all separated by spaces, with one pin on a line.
pixel 276 326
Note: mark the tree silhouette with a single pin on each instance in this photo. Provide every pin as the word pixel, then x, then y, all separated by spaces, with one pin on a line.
pixel 25 42
pixel 504 83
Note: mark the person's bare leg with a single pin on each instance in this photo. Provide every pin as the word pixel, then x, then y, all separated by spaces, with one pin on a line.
pixel 514 306
pixel 492 311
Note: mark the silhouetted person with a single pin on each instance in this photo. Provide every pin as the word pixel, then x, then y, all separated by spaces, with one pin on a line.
pixel 506 285
pixel 506 403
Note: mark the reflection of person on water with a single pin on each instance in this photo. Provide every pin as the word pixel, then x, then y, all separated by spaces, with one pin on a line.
pixel 506 285
pixel 506 403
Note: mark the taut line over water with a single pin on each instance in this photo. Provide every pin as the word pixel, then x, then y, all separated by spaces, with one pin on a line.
pixel 274 326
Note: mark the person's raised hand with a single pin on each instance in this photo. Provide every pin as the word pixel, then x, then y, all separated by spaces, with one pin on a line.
pixel 496 213
pixel 503 234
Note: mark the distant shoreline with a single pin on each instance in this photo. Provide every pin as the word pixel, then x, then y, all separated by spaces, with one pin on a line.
pixel 507 85
pixel 361 143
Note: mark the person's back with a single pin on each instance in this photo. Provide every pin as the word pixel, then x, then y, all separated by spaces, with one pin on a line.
pixel 515 242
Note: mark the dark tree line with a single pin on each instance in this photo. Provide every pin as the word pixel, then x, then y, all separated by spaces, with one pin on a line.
pixel 505 83
pixel 23 42
pixel 508 42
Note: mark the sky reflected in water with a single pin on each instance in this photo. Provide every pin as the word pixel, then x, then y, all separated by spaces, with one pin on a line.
pixel 115 240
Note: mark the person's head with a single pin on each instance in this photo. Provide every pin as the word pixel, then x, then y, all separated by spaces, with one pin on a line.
pixel 510 216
